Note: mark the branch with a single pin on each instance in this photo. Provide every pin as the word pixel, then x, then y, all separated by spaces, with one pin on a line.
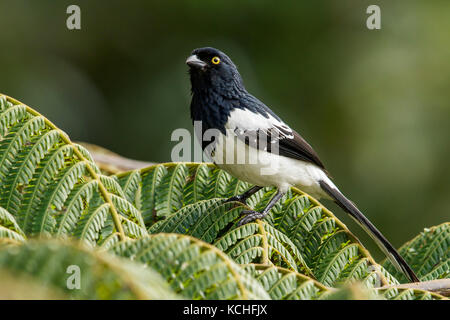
pixel 112 163
pixel 440 286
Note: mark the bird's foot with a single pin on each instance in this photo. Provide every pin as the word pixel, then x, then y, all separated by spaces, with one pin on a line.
pixel 250 215
pixel 237 198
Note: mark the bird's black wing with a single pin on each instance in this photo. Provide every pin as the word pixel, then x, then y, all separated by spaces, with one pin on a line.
pixel 282 140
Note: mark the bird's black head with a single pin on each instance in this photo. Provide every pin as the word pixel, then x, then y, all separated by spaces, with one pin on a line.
pixel 211 69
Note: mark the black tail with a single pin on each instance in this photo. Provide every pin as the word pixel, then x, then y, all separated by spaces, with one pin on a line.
pixel 376 235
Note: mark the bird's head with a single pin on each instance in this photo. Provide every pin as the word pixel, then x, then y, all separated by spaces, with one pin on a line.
pixel 212 69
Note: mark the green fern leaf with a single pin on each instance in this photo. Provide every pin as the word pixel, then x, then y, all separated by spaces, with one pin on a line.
pixel 428 254
pixel 408 294
pixel 190 198
pixel 193 268
pixel 47 182
pixel 258 242
pixel 285 284
pixel 9 229
pixel 102 276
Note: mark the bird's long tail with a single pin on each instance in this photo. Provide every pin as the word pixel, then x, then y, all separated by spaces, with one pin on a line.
pixel 376 235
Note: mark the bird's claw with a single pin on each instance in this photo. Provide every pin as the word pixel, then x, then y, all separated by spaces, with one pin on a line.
pixel 250 215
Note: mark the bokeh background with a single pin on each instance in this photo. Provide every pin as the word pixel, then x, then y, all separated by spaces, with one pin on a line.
pixel 375 104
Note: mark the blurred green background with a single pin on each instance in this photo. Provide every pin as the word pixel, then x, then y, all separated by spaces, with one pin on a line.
pixel 375 104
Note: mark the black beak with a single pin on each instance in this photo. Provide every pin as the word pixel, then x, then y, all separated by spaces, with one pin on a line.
pixel 194 61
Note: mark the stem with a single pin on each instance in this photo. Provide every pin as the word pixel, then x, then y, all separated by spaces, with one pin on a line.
pixel 439 286
pixel 265 257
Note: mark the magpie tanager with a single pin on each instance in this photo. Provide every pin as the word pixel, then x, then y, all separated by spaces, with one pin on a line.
pixel 281 157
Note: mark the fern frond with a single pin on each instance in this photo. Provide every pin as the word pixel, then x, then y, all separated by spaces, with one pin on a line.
pixel 47 182
pixel 408 294
pixel 102 276
pixel 193 268
pixel 151 179
pixel 165 188
pixel 75 205
pixel 190 198
pixel 9 229
pixel 428 254
pixel 92 222
pixel 332 252
pixel 169 195
pixel 203 220
pixel 285 284
pixel 130 185
pixel 258 242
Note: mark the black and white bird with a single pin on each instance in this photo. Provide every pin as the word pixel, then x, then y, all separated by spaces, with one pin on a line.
pixel 221 103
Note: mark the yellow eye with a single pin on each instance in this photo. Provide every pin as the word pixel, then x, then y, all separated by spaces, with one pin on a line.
pixel 215 60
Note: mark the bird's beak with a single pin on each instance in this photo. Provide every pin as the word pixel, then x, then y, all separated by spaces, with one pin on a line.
pixel 194 61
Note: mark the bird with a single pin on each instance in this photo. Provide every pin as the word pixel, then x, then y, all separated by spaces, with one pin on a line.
pixel 237 122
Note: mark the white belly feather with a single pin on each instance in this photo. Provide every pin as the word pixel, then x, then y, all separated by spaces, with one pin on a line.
pixel 267 169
